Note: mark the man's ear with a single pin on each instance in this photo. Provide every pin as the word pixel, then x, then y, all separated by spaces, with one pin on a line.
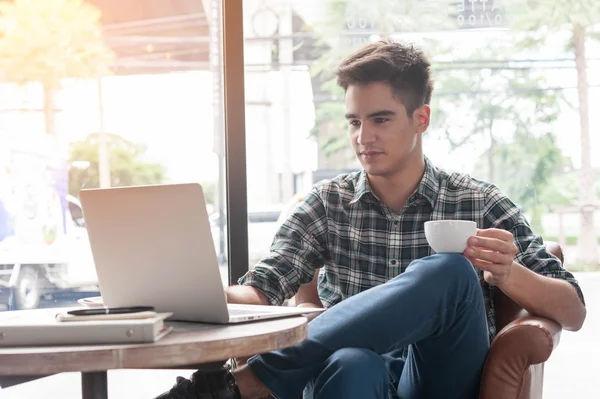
pixel 422 117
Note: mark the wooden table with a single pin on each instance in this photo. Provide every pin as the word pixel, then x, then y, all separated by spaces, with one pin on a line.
pixel 187 346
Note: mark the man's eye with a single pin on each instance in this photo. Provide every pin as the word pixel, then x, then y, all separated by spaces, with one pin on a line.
pixel 354 122
pixel 381 120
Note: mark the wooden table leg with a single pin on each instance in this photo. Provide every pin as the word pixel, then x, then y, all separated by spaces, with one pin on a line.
pixel 94 385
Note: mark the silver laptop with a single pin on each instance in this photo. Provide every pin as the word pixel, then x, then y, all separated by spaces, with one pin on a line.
pixel 152 245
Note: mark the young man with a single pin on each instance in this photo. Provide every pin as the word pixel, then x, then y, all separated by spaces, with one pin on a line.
pixel 400 322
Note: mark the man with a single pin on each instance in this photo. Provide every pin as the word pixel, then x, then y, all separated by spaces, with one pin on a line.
pixel 400 322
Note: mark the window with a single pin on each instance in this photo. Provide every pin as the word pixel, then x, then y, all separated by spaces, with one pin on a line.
pixel 504 109
pixel 506 105
pixel 133 96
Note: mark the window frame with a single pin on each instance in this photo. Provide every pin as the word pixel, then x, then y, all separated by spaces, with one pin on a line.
pixel 235 138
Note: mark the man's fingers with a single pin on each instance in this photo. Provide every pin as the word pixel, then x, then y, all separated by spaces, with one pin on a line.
pixel 494 244
pixel 483 264
pixel 500 234
pixel 487 255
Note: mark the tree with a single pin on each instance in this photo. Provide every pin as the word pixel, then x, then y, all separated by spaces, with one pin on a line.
pixel 482 101
pixel 330 126
pixel 46 41
pixel 509 111
pixel 524 171
pixel 580 19
pixel 126 159
pixel 210 192
pixel 485 104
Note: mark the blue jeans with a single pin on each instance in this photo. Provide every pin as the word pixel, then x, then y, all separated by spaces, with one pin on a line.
pixel 355 349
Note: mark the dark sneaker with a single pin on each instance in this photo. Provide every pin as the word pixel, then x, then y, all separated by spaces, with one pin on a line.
pixel 213 384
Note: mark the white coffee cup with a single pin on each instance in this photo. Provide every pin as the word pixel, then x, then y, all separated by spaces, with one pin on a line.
pixel 449 235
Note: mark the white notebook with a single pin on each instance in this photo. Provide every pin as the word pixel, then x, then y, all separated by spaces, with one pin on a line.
pixel 42 328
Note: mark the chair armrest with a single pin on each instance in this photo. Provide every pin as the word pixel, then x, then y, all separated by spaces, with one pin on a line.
pixel 533 338
pixel 524 342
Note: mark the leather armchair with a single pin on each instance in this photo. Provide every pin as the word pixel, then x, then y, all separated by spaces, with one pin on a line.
pixel 515 364
pixel 514 368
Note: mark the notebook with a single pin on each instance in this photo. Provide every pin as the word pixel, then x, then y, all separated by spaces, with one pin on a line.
pixel 42 327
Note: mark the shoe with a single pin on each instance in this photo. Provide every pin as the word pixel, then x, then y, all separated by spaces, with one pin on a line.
pixel 213 384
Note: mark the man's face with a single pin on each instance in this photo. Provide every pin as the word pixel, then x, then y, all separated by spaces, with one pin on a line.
pixel 384 137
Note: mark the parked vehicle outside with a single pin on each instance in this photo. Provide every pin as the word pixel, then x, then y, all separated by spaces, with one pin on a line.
pixel 262 226
pixel 43 241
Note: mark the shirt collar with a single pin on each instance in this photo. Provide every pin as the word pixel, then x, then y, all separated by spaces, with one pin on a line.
pixel 362 187
pixel 428 187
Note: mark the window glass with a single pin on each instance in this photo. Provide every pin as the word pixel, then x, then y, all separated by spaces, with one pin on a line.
pixel 507 105
pixel 516 83
pixel 122 94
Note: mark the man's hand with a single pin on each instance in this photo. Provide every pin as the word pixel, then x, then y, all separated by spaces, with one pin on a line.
pixel 493 251
pixel 245 294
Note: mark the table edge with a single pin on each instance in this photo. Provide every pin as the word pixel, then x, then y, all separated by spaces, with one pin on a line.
pixel 160 356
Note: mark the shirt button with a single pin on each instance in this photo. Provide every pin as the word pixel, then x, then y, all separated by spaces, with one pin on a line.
pixel 396 223
pixel 393 262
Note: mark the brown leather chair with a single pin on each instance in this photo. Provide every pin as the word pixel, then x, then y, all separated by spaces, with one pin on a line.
pixel 514 368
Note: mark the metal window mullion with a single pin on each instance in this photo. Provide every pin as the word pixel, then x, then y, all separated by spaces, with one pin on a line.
pixel 235 138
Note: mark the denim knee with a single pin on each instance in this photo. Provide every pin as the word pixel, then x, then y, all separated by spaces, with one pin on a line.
pixel 352 370
pixel 447 268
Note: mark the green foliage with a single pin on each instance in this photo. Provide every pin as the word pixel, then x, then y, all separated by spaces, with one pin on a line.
pixel 576 21
pixel 579 267
pixel 564 187
pixel 509 112
pixel 525 170
pixel 46 41
pixel 127 167
pixel 535 15
pixel 469 102
pixel 569 240
pixel 330 126
pixel 210 192
pixel 535 23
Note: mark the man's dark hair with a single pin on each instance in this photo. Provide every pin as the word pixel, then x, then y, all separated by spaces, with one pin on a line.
pixel 404 67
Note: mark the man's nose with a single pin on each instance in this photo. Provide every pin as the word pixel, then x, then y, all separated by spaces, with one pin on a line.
pixel 366 136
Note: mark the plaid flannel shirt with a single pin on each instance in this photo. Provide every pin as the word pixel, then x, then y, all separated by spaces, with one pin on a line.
pixel 358 242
